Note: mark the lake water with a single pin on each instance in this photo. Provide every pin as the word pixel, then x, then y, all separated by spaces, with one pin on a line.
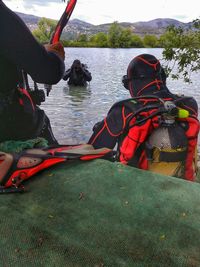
pixel 73 112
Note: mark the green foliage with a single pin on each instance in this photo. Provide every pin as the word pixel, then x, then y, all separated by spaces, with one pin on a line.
pixel 125 38
pixel 114 35
pixel 196 23
pixel 82 38
pixel 100 39
pixel 45 29
pixel 150 41
pixel 182 49
pixel 136 41
pixel 117 37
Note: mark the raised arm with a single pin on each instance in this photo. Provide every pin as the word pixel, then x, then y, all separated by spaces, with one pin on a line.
pixel 87 75
pixel 20 47
pixel 67 75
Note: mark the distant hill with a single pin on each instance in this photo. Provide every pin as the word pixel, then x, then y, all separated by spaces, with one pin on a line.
pixel 156 27
pixel 76 26
pixel 30 20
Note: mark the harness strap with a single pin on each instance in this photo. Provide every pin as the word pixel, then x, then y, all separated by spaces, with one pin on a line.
pixel 134 162
pixel 173 156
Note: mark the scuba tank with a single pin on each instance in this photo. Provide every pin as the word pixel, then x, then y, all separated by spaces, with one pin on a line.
pixel 167 145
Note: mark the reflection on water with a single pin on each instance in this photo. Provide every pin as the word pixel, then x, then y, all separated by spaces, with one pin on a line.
pixel 76 94
pixel 74 110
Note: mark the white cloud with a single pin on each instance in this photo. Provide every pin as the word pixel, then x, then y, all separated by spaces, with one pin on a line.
pixel 107 11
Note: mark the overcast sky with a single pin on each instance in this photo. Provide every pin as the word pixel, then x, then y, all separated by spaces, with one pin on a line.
pixel 108 11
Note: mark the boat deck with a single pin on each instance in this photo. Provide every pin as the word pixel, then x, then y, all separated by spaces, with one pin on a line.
pixel 99 213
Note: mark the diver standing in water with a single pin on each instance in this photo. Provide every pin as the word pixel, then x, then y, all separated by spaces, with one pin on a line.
pixel 78 74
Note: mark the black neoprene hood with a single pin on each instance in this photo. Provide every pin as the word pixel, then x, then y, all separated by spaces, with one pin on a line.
pixel 144 66
pixel 144 75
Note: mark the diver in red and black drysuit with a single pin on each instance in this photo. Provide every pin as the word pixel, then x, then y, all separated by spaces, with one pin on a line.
pixel 145 77
pixel 20 117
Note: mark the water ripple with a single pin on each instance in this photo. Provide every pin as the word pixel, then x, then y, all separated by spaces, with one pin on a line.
pixel 73 111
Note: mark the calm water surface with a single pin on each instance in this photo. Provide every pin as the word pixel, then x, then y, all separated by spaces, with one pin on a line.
pixel 73 111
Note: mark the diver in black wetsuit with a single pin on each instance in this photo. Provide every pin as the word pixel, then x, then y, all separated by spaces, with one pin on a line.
pixel 20 117
pixel 78 74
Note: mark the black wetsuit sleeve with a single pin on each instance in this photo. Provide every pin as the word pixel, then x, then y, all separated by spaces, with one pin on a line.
pixel 87 75
pixel 107 132
pixel 20 47
pixel 67 75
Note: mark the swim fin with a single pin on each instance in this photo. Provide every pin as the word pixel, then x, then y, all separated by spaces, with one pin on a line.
pixel 18 167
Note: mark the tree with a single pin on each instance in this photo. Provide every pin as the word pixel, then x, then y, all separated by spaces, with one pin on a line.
pixel 182 49
pixel 82 38
pixel 136 41
pixel 101 39
pixel 114 35
pixel 150 41
pixel 45 29
pixel 125 38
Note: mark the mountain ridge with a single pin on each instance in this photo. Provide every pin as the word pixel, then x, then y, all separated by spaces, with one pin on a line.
pixel 141 28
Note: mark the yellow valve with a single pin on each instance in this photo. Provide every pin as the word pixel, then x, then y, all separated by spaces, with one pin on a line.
pixel 183 113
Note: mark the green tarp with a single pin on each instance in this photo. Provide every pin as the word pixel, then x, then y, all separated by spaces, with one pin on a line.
pixel 101 214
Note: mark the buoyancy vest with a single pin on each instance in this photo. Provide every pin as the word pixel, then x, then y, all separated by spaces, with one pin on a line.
pixel 25 100
pixel 177 158
pixel 23 119
pixel 31 113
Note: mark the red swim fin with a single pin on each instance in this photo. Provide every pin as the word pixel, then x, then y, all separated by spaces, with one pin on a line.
pixel 16 168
